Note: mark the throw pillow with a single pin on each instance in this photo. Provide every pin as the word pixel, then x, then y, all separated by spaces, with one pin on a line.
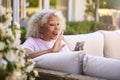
pixel 94 42
pixel 64 61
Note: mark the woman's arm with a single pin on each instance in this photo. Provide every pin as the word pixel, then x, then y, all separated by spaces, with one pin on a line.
pixel 56 48
pixel 33 54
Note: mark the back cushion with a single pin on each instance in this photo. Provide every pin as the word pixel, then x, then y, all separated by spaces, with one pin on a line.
pixel 93 45
pixel 112 44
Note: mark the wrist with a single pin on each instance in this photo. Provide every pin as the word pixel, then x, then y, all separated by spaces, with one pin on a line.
pixel 51 50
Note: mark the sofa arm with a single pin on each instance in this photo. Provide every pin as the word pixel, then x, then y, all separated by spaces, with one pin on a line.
pixel 55 75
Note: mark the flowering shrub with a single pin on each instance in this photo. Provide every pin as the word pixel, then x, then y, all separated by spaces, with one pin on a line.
pixel 13 63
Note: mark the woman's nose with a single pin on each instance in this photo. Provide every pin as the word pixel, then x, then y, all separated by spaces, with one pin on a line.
pixel 57 27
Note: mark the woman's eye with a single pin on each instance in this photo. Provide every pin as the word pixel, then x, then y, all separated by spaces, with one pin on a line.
pixel 58 24
pixel 51 24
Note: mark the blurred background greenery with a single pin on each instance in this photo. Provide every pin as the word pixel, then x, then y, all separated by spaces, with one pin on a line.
pixel 80 27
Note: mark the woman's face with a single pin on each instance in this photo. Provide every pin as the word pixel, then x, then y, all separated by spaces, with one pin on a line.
pixel 51 30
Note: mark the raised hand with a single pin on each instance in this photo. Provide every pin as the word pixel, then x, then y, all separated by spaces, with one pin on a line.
pixel 57 46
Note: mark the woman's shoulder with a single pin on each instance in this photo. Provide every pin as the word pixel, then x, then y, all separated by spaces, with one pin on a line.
pixel 31 39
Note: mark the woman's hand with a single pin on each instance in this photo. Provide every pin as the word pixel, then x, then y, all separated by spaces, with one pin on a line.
pixel 57 46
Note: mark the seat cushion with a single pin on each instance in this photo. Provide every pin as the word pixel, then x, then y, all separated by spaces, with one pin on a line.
pixel 65 62
pixel 101 67
pixel 94 42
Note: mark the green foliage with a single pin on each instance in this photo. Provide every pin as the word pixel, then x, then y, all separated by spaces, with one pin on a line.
pixel 33 3
pixel 23 33
pixel 82 27
pixel 2 74
pixel 110 4
pixel 52 2
pixel 103 4
pixel 90 8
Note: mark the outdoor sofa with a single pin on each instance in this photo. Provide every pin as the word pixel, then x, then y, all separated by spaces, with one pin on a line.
pixel 69 65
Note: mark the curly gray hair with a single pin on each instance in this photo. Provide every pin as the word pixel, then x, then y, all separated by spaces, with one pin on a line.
pixel 39 18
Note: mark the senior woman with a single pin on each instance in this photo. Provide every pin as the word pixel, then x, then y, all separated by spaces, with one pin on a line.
pixel 45 33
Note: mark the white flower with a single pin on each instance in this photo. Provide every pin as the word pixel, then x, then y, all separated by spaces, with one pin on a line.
pixel 9 32
pixel 10 52
pixel 10 56
pixel 3 63
pixel 2 31
pixel 8 19
pixel 20 63
pixel 16 75
pixel 30 65
pixel 1 55
pixel 29 68
pixel 31 78
pixel 16 25
pixel 18 34
pixel 2 45
pixel 24 76
pixel 10 36
pixel 16 43
pixel 35 73
pixel 2 10
pixel 21 51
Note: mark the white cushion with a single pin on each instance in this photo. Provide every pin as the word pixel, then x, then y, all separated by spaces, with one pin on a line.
pixel 112 44
pixel 66 62
pixel 105 68
pixel 94 42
